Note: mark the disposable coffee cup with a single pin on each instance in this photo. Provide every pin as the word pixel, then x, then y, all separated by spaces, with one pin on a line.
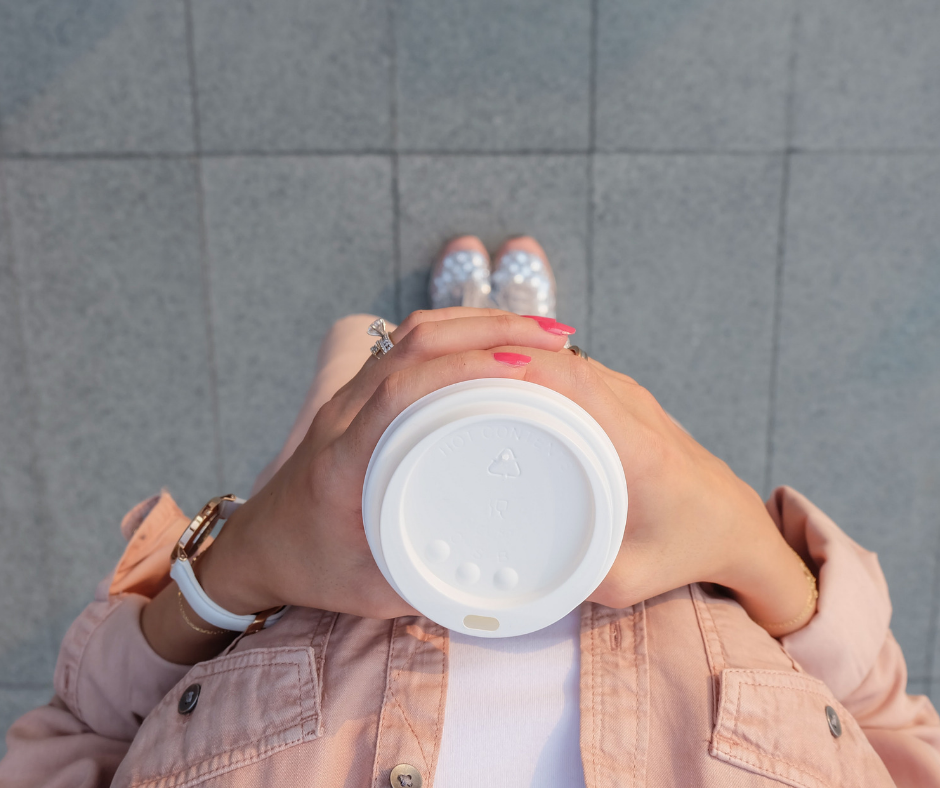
pixel 494 507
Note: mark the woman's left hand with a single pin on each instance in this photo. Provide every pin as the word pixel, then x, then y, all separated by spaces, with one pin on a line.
pixel 690 518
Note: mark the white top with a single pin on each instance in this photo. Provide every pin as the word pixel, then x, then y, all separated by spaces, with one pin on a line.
pixel 513 710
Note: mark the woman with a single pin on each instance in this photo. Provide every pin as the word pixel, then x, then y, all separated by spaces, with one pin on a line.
pixel 702 659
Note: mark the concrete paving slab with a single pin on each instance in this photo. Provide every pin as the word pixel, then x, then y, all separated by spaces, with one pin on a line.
pixel 685 254
pixel 26 650
pixel 495 197
pixel 866 75
pixel 493 76
pixel 692 75
pixel 857 424
pixel 15 702
pixel 108 258
pixel 291 75
pixel 99 76
pixel 294 244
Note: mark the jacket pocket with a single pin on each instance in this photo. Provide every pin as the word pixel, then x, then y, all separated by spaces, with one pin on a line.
pixel 775 723
pixel 251 704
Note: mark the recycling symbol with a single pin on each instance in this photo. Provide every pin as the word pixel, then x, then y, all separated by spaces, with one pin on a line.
pixel 505 465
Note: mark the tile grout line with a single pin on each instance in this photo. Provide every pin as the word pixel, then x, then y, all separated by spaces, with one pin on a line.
pixel 589 164
pixel 43 513
pixel 780 257
pixel 27 685
pixel 775 330
pixel 191 62
pixel 555 152
pixel 396 191
pixel 204 249
pixel 934 612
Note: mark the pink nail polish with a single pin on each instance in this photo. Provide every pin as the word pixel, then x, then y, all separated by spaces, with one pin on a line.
pixel 561 329
pixel 551 325
pixel 512 359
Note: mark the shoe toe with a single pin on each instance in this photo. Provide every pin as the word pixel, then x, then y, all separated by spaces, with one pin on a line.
pixel 523 281
pixel 461 274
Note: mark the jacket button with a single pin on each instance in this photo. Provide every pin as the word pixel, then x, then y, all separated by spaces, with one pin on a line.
pixel 835 725
pixel 189 699
pixel 405 776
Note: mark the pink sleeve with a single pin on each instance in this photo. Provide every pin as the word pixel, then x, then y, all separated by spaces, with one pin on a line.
pixel 107 677
pixel 49 747
pixel 107 674
pixel 849 646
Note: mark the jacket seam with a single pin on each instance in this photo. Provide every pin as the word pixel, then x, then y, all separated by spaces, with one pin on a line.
pixel 642 672
pixel 84 648
pixel 406 663
pixel 636 665
pixel 385 698
pixel 733 751
pixel 807 690
pixel 239 764
pixel 733 747
pixel 594 708
pixel 301 719
pixel 441 700
pixel 414 733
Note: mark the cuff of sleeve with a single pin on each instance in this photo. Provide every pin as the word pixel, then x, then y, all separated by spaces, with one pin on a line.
pixel 107 673
pixel 152 528
pixel 841 643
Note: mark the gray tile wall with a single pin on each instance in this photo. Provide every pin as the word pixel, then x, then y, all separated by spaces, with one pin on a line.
pixel 741 201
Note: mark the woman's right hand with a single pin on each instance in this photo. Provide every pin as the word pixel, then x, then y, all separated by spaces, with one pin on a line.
pixel 300 539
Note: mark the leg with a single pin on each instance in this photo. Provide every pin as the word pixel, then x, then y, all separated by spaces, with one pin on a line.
pixel 342 354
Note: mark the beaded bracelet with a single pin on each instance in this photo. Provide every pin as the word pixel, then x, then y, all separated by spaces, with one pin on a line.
pixel 194 626
pixel 786 627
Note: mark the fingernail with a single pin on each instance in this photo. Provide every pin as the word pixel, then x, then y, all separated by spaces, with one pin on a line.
pixel 551 325
pixel 512 359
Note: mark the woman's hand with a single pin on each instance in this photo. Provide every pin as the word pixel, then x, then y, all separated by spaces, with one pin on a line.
pixel 690 518
pixel 300 539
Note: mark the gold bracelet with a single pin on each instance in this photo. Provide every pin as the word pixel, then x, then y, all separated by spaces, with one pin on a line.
pixel 809 607
pixel 179 595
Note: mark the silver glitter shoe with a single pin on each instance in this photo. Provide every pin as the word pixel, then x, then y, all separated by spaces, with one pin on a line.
pixel 522 279
pixel 461 277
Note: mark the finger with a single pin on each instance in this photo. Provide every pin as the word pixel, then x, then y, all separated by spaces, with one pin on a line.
pixel 566 374
pixel 585 381
pixel 432 315
pixel 434 338
pixel 403 387
pixel 611 373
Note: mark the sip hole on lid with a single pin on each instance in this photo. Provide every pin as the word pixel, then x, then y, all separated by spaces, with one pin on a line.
pixel 486 623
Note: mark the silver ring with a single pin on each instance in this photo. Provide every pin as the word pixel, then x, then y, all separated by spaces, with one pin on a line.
pixel 380 330
pixel 578 352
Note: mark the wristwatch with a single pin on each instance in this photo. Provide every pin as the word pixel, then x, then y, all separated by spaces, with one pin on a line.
pixel 181 570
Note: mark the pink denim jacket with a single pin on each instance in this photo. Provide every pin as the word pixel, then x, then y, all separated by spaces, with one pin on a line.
pixel 683 689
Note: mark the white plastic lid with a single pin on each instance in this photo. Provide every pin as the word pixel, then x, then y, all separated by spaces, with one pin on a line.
pixel 494 507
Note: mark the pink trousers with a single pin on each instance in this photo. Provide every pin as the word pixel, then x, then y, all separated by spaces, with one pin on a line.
pixel 342 353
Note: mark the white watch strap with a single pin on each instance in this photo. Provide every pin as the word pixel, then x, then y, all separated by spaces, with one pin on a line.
pixel 205 608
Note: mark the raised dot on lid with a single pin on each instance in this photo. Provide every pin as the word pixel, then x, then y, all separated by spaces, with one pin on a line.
pixel 506 578
pixel 437 550
pixel 468 572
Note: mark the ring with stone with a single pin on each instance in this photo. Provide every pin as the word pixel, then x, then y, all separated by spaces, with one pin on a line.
pixel 384 343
